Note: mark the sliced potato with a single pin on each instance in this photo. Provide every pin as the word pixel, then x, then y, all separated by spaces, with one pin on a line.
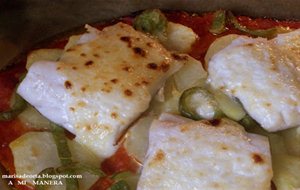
pixel 291 138
pixel 217 45
pixel 190 75
pixel 35 151
pixel 286 167
pixel 31 118
pixel 84 156
pixel 170 99
pixel 179 38
pixel 171 104
pixel 43 54
pixel 136 141
pixel 169 88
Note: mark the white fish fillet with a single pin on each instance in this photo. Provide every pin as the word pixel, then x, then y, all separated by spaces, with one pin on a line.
pixel 100 85
pixel 264 75
pixel 199 155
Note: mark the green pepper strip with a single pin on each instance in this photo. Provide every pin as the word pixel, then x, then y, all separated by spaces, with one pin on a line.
pixel 267 33
pixel 219 22
pixel 69 167
pixel 120 185
pixel 44 175
pixel 248 122
pixel 18 106
pixel 187 109
pixel 64 154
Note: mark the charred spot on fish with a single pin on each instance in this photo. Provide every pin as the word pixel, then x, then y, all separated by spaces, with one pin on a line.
pixel 106 89
pixel 83 89
pixel 89 63
pixel 70 49
pixel 74 68
pixel 128 92
pixel 126 39
pixel 164 66
pixel 58 68
pixel 215 122
pixel 144 82
pixel 72 109
pixel 83 55
pixel 158 158
pixel 127 68
pixel 152 66
pixel 68 84
pixel 96 55
pixel 257 158
pixel 184 128
pixel 114 115
pixel 249 45
pixel 114 81
pixel 179 57
pixel 139 51
pixel 223 147
pixel 149 44
pixel 88 127
pixel 268 104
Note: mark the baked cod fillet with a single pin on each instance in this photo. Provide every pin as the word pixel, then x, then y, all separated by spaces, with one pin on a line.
pixel 202 155
pixel 264 75
pixel 100 85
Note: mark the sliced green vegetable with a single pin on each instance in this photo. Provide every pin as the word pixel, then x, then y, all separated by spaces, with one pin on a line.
pixel 197 103
pixel 230 107
pixel 120 185
pixel 121 175
pixel 43 176
pixel 219 22
pixel 248 122
pixel 64 154
pixel 130 178
pixel 18 105
pixel 152 21
pixel 61 144
pixel 267 33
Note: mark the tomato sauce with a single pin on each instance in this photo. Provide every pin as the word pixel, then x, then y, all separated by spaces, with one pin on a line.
pixel 120 161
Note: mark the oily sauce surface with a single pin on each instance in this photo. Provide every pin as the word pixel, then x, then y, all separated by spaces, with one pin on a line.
pixel 121 161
